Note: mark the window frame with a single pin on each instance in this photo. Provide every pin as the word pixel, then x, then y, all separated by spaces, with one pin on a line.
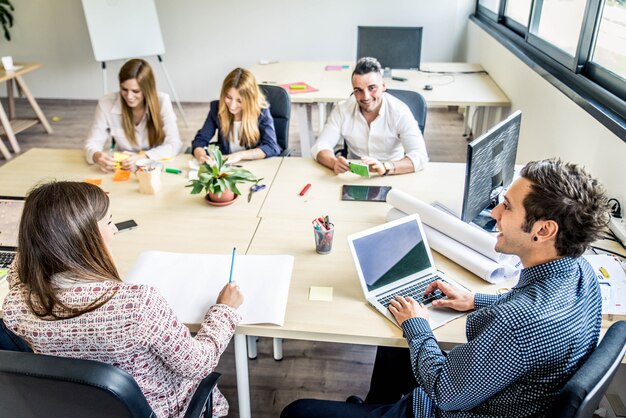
pixel 596 89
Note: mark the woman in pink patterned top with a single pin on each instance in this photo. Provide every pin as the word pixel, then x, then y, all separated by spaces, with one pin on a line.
pixel 66 299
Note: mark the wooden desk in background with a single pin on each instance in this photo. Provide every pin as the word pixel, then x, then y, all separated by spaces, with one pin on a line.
pixel 277 221
pixel 454 84
pixel 10 124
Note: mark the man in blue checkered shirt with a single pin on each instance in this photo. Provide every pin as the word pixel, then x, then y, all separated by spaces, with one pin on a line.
pixel 522 345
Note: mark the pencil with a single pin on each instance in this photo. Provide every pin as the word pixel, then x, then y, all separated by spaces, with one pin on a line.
pixel 232 263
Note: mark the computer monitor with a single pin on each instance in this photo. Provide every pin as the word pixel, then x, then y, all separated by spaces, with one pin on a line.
pixel 490 169
pixel 393 47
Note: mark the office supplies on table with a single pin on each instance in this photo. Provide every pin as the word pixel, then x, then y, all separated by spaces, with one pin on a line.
pixel 298 87
pixel 11 208
pixel 95 182
pixel 253 189
pixel 324 231
pixel 149 177
pixel 364 193
pixel 305 189
pixel 126 225
pixel 191 282
pixel 121 175
pixel 173 170
pixel 232 264
pixel 612 280
pixel 362 170
pixel 395 259
pixel 467 245
pixel 321 293
pixel 399 78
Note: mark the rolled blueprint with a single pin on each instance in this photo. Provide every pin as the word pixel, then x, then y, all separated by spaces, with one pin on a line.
pixel 474 238
pixel 484 267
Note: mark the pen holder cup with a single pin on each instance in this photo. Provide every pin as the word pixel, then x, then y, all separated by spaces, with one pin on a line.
pixel 149 180
pixel 324 239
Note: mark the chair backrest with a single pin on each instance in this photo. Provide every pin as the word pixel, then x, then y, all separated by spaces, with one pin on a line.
pixel 581 395
pixel 280 109
pixel 36 385
pixel 415 102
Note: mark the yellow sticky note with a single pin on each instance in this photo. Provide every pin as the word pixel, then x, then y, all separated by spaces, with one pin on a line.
pixel 120 156
pixel 322 293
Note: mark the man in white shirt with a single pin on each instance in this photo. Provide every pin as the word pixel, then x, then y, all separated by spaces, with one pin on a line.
pixel 378 128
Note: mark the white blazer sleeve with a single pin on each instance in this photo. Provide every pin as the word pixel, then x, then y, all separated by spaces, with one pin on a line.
pixel 99 133
pixel 171 144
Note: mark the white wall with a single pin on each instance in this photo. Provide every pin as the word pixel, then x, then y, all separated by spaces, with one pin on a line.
pixel 552 124
pixel 205 39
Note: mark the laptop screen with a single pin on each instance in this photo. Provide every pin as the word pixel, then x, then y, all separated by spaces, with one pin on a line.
pixel 10 214
pixel 390 254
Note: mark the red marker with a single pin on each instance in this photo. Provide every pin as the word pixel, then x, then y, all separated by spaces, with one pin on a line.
pixel 304 190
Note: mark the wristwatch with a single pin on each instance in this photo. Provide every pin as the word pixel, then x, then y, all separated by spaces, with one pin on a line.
pixel 387 168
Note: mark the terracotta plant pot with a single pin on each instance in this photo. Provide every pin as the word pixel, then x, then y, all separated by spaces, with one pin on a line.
pixel 227 197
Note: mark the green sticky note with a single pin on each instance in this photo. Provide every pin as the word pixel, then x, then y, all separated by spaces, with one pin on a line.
pixel 321 293
pixel 3 273
pixel 360 169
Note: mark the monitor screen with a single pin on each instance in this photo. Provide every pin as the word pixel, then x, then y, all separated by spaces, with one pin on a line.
pixel 393 47
pixel 490 166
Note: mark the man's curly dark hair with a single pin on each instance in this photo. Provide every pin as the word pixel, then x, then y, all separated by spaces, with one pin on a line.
pixel 568 195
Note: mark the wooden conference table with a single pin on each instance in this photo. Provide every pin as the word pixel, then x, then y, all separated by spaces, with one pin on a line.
pixel 10 124
pixel 453 84
pixel 276 221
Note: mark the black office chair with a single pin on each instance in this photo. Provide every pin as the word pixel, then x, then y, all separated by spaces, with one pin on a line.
pixel 36 385
pixel 581 395
pixel 417 105
pixel 280 109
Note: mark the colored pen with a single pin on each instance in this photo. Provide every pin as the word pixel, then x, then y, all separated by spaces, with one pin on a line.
pixel 232 263
pixel 297 87
pixel 173 170
pixel 304 190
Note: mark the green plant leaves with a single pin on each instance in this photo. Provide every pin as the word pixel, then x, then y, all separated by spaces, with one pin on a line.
pixel 220 177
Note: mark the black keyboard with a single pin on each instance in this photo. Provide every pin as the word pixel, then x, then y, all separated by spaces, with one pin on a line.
pixel 416 291
pixel 6 258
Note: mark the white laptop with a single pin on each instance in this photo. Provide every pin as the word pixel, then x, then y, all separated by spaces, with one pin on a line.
pixel 10 214
pixel 395 259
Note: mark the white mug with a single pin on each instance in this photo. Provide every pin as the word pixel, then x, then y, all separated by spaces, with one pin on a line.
pixel 7 62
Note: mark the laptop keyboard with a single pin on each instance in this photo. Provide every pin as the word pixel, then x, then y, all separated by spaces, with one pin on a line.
pixel 416 291
pixel 6 258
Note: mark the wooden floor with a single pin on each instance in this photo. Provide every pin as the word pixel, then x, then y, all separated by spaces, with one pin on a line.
pixel 308 369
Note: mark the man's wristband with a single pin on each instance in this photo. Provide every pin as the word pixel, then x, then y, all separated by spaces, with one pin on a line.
pixel 387 167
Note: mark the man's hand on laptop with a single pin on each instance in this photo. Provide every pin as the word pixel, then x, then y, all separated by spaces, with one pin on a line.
pixel 457 299
pixel 403 308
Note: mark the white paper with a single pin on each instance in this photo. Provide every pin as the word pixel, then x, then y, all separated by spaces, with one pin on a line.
pixel 447 224
pixel 613 288
pixel 191 282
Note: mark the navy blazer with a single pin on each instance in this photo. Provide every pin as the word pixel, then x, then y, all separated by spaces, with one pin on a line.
pixel 267 142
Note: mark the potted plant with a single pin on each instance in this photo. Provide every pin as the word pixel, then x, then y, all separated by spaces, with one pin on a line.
pixel 6 17
pixel 220 179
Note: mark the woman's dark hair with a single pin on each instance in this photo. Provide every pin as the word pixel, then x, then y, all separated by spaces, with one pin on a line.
pixel 59 234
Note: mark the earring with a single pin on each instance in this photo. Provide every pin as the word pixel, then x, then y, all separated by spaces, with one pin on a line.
pixel 535 238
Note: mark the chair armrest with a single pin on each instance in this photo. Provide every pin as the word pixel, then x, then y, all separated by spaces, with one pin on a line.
pixel 285 153
pixel 202 399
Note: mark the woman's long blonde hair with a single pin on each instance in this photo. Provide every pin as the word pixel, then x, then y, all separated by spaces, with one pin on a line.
pixel 59 234
pixel 141 71
pixel 252 100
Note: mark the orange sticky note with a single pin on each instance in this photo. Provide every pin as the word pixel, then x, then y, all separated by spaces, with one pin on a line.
pixel 95 182
pixel 121 175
